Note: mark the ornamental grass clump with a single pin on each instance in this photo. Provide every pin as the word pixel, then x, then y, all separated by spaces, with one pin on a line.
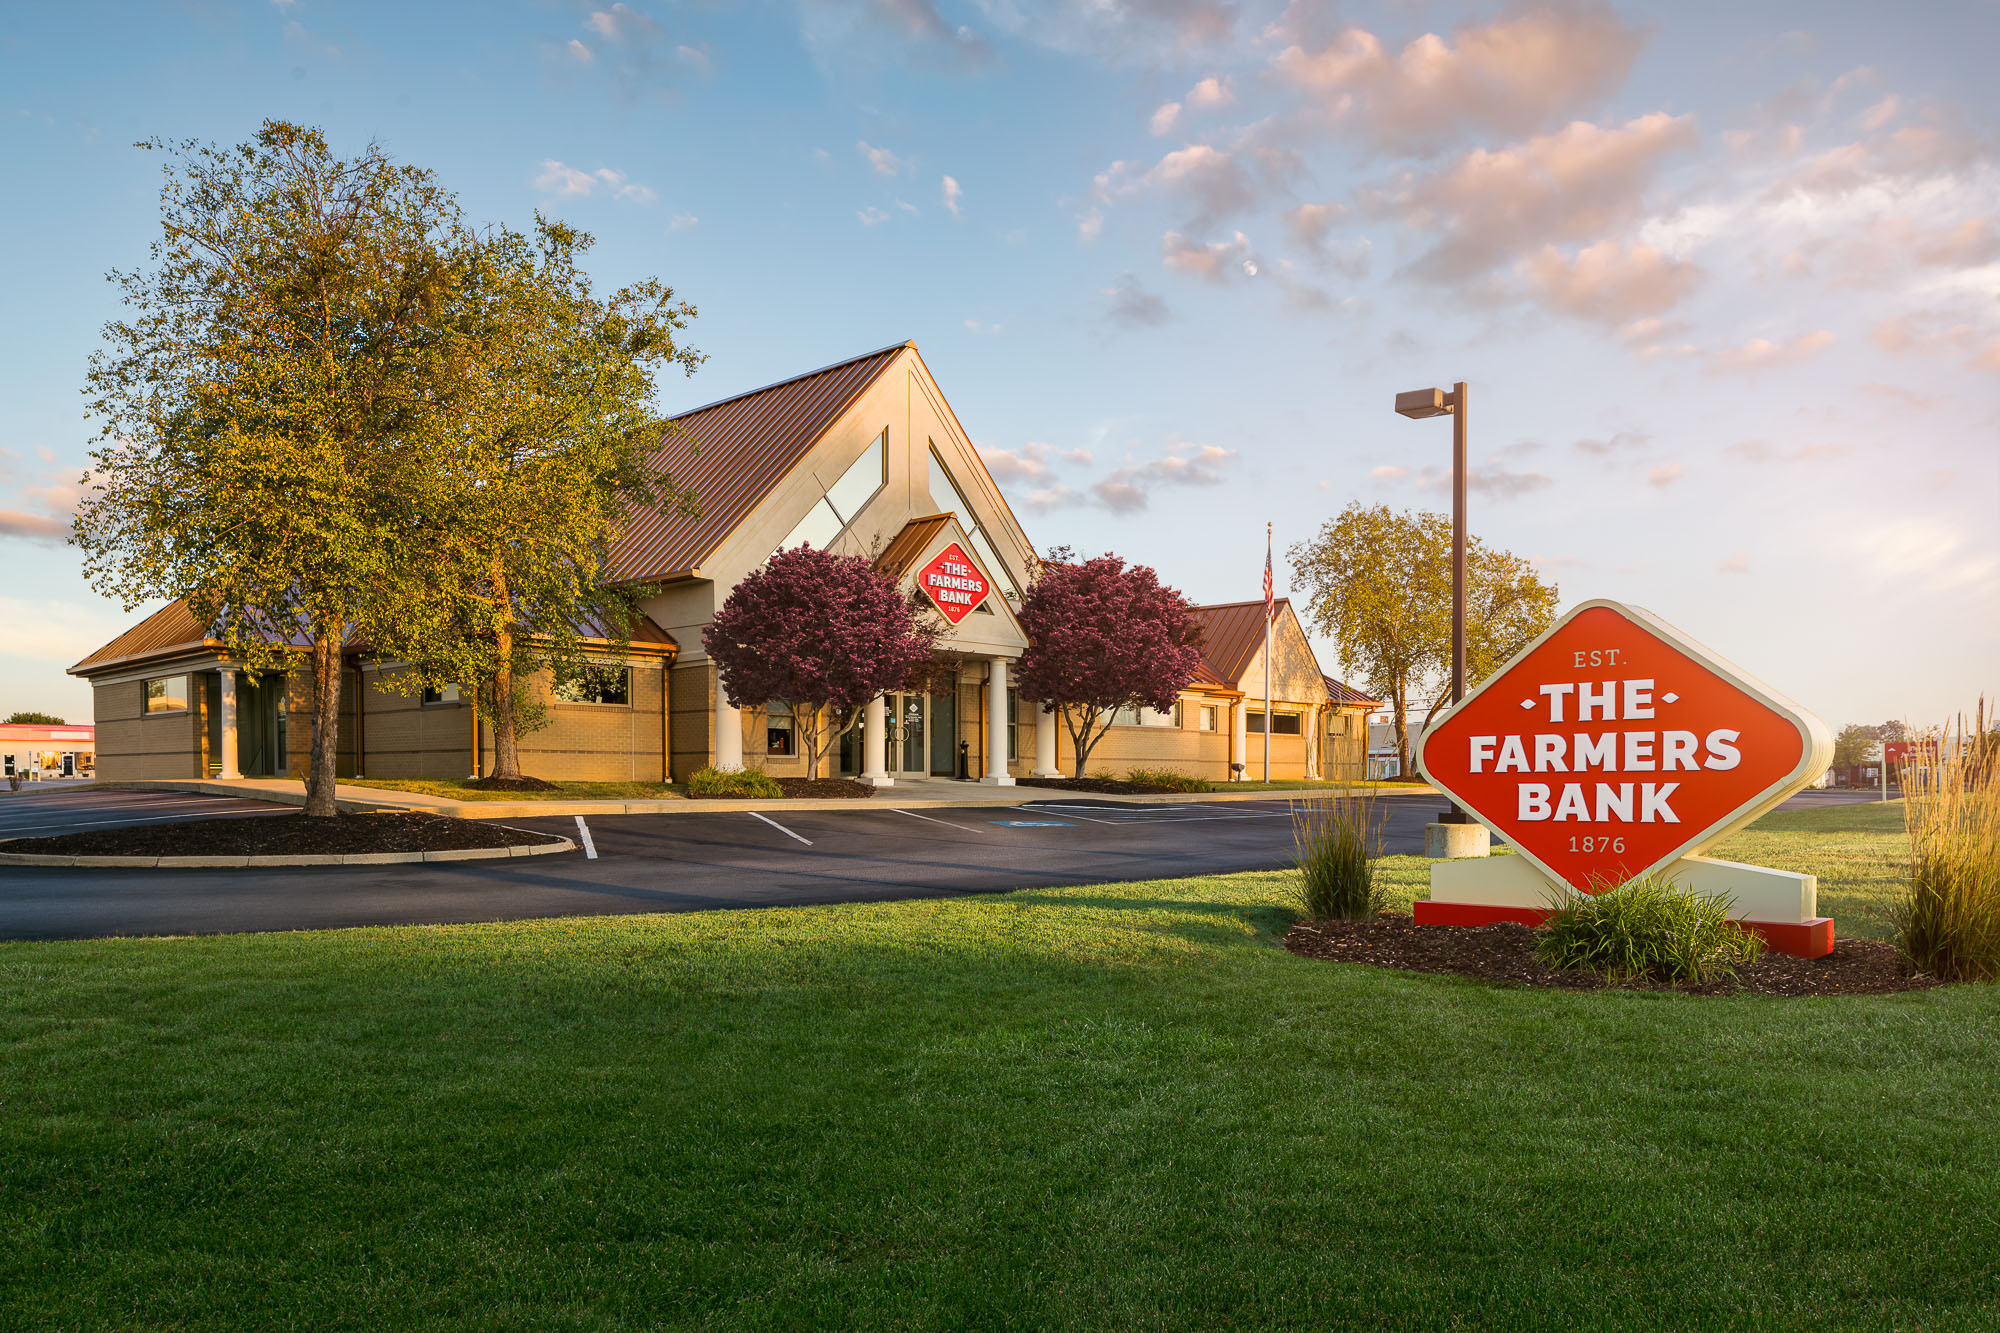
pixel 1949 926
pixel 1334 838
pixel 1649 929
pixel 1166 777
pixel 747 782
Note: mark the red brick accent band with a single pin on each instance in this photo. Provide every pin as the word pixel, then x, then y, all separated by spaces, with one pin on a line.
pixel 1801 939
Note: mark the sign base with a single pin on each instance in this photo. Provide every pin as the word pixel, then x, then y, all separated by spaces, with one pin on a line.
pixel 1800 939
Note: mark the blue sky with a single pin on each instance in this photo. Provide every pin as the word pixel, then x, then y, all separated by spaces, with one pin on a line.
pixel 1724 279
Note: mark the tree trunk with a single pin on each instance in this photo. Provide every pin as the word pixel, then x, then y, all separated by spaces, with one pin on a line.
pixel 1083 742
pixel 506 749
pixel 506 745
pixel 321 766
pixel 1402 734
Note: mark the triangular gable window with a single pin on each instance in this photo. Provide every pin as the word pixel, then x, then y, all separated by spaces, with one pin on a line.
pixel 828 518
pixel 945 491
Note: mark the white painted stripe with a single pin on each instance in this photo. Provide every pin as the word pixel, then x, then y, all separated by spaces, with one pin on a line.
pixel 780 827
pixel 135 819
pixel 91 807
pixel 926 818
pixel 589 847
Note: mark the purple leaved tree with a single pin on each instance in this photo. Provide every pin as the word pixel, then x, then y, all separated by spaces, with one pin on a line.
pixel 824 633
pixel 1103 635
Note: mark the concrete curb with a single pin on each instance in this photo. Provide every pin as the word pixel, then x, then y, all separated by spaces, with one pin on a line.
pixel 885 798
pixel 277 862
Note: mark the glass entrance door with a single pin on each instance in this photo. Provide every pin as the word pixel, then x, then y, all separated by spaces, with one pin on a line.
pixel 910 757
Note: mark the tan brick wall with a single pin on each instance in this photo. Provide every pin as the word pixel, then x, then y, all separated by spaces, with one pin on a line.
pixel 596 742
pixel 692 699
pixel 132 745
pixel 407 738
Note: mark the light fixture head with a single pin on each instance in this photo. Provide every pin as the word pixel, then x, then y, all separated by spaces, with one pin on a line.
pixel 1420 403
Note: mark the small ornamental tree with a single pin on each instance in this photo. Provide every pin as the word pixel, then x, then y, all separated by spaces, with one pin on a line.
pixel 33 718
pixel 824 633
pixel 1102 636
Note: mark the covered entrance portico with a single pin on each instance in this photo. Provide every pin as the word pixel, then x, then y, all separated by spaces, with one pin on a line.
pixel 247 732
pixel 918 736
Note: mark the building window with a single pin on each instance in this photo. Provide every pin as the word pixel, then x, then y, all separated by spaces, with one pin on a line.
pixel 1013 724
pixel 1209 713
pixel 945 491
pixel 1282 724
pixel 1137 717
pixel 598 685
pixel 442 694
pixel 167 694
pixel 780 729
pixel 840 502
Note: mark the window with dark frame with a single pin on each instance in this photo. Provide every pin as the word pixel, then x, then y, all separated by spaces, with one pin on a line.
pixel 442 694
pixel 166 694
pixel 780 729
pixel 597 685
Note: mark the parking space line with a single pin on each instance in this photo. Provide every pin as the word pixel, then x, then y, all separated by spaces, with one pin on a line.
pixel 780 827
pixel 589 847
pixel 134 819
pixel 927 819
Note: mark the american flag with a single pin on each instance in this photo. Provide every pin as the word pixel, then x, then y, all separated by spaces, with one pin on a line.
pixel 1270 608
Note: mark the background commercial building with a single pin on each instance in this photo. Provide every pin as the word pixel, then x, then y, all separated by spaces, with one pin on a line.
pixel 34 751
pixel 864 457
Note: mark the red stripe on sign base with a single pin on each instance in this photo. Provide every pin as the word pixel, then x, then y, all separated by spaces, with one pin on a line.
pixel 1801 939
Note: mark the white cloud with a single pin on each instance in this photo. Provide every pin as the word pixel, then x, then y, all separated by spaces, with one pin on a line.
pixel 682 222
pixel 953 193
pixel 1665 475
pixel 1164 119
pixel 1028 463
pixel 884 162
pixel 872 216
pixel 1213 180
pixel 578 51
pixel 1511 76
pixel 1737 562
pixel 560 179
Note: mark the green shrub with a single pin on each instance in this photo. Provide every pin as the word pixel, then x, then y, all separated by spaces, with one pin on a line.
pixel 1333 838
pixel 1649 929
pixel 747 782
pixel 1166 777
pixel 1949 926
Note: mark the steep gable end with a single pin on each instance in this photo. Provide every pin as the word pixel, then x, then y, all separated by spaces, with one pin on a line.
pixel 732 453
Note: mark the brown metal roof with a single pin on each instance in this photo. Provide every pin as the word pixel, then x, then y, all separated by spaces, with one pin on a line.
pixel 1231 634
pixel 732 453
pixel 171 632
pixel 904 548
pixel 168 631
pixel 1343 693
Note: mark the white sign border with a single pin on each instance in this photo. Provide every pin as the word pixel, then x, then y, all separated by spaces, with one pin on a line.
pixel 1815 751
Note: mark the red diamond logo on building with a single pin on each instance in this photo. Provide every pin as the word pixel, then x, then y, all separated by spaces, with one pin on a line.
pixel 1613 745
pixel 954 583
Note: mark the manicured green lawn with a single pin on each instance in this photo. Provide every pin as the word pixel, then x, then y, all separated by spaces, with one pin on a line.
pixel 567 791
pixel 1117 1107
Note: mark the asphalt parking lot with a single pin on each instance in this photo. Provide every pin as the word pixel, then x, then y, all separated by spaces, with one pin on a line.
pixel 665 863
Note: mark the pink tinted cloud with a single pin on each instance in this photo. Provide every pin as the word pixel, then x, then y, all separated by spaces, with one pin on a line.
pixel 1763 354
pixel 1490 206
pixel 1608 281
pixel 1512 76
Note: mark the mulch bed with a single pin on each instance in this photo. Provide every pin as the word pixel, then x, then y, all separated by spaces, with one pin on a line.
pixel 511 784
pixel 1506 953
pixel 283 835
pixel 823 788
pixel 1096 786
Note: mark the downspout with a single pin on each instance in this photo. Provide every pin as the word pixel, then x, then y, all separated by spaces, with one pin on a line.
pixel 666 720
pixel 478 754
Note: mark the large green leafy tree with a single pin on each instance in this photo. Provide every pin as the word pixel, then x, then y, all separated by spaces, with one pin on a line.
pixel 1378 583
pixel 550 457
pixel 280 388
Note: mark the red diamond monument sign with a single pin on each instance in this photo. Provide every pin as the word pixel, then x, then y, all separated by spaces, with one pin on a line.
pixel 1614 747
pixel 954 583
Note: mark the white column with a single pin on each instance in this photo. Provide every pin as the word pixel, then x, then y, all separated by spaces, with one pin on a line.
pixel 1313 740
pixel 229 769
pixel 728 732
pixel 875 744
pixel 1239 744
pixel 1046 763
pixel 996 725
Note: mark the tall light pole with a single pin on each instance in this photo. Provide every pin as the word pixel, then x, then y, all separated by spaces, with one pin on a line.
pixel 1418 404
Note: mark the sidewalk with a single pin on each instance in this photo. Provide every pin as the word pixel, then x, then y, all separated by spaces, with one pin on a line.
pixel 908 795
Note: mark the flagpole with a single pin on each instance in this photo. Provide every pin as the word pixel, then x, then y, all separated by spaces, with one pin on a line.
pixel 1267 652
